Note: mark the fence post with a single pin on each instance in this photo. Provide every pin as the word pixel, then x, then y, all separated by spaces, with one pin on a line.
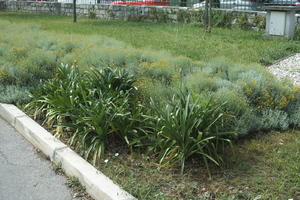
pixel 206 15
pixel 209 17
pixel 74 12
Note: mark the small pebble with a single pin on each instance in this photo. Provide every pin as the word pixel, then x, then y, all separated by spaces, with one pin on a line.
pixel 287 68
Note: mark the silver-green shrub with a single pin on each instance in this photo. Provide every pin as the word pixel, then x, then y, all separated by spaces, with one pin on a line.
pixel 274 119
pixel 14 94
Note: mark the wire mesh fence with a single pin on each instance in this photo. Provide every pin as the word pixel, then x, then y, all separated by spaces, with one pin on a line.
pixel 250 5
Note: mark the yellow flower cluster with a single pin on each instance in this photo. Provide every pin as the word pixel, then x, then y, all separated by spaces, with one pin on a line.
pixel 270 97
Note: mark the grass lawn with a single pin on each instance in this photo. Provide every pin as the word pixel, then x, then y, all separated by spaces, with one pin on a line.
pixel 235 45
pixel 259 167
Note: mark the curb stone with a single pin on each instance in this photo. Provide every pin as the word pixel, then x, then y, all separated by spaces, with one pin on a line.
pixel 99 186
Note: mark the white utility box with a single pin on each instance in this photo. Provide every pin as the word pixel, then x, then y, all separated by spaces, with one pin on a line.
pixel 281 21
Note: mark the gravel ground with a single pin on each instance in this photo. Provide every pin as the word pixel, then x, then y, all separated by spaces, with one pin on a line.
pixel 287 68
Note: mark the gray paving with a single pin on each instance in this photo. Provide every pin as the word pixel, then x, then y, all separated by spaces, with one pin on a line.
pixel 24 174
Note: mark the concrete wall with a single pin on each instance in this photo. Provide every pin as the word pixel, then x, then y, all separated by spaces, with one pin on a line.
pixel 254 19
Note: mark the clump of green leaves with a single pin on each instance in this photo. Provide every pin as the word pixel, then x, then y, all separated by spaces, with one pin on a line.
pixel 243 23
pixel 188 126
pixel 74 183
pixel 92 12
pixel 92 108
pixel 222 19
pixel 259 22
pixel 57 167
pixel 297 33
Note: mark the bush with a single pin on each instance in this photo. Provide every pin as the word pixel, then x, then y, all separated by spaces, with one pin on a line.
pixel 293 109
pixel 297 33
pixel 259 96
pixel 187 126
pixel 91 108
pixel 259 22
pixel 92 14
pixel 222 19
pixel 243 23
pixel 274 119
pixel 14 94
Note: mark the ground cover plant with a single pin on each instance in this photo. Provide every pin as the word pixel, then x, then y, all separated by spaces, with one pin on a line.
pixel 174 110
pixel 187 40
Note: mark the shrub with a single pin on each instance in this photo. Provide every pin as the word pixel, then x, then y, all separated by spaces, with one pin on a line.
pixel 14 94
pixel 293 109
pixel 92 14
pixel 222 19
pixel 265 92
pixel 295 117
pixel 274 119
pixel 186 126
pixel 92 108
pixel 242 112
pixel 243 23
pixel 297 33
pixel 259 96
pixel 200 82
pixel 259 22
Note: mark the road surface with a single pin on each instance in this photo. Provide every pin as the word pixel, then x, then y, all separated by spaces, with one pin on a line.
pixel 26 174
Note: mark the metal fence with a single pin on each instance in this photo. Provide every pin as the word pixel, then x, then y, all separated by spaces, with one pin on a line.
pixel 251 5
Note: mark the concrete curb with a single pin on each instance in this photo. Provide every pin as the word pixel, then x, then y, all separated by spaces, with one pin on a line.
pixel 97 184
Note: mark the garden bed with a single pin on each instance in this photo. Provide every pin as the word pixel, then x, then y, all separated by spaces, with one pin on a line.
pixel 143 111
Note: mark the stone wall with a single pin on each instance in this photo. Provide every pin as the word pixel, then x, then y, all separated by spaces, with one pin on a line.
pixel 251 19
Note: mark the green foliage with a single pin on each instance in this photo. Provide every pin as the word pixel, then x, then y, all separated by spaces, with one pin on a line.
pixel 75 184
pixel 264 103
pixel 293 109
pixel 95 106
pixel 179 39
pixel 274 119
pixel 185 127
pixel 259 22
pixel 33 55
pixel 271 55
pixel 190 16
pixel 92 12
pixel 222 19
pixel 243 23
pixel 102 106
pixel 57 167
pixel 14 94
pixel 296 34
pixel 200 82
pixel 91 108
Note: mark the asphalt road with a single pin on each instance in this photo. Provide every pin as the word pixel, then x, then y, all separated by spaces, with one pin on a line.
pixel 24 173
